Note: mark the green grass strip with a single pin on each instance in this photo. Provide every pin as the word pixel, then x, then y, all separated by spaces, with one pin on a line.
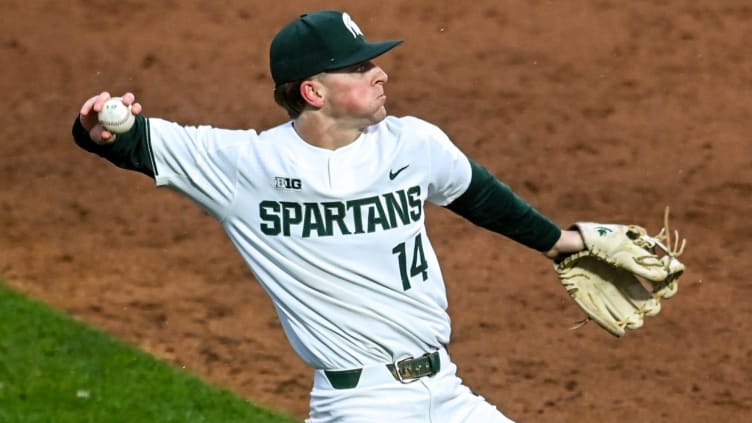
pixel 55 369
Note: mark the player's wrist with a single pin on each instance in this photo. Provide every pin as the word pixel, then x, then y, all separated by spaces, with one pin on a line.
pixel 570 241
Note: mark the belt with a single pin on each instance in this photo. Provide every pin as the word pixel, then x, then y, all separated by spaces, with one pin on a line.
pixel 405 370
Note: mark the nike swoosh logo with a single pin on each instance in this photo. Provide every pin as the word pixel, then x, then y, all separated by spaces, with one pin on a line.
pixel 393 173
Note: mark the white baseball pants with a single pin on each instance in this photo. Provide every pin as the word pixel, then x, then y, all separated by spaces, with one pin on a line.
pixel 379 398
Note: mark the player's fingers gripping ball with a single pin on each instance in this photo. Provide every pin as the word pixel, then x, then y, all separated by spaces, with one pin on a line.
pixel 116 117
pixel 606 279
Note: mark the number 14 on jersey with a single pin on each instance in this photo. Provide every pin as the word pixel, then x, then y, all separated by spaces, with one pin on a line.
pixel 418 265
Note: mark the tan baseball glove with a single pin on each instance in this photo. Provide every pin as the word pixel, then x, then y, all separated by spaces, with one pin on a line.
pixel 608 279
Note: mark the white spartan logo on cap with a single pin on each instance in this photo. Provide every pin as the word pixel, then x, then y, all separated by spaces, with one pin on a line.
pixel 351 25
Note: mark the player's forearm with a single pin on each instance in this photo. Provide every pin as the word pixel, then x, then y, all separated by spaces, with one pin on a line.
pixel 493 205
pixel 129 150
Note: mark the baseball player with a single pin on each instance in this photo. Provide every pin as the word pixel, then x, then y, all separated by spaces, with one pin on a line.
pixel 328 211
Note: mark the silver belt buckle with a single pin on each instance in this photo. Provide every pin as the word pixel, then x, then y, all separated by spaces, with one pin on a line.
pixel 399 374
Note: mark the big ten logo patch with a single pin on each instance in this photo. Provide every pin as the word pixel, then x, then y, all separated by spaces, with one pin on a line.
pixel 287 183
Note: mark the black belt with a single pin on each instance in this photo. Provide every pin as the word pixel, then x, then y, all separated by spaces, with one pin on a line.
pixel 407 370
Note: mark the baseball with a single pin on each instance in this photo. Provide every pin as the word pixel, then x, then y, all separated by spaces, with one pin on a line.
pixel 116 117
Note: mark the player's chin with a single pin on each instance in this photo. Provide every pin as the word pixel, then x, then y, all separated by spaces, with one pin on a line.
pixel 381 110
pixel 378 116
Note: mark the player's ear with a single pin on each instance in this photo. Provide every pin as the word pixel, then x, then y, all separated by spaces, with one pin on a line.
pixel 312 92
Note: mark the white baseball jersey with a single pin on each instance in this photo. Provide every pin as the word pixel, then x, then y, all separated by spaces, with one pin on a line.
pixel 337 238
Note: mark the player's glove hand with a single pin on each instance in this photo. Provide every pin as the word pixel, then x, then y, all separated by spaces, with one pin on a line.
pixel 606 278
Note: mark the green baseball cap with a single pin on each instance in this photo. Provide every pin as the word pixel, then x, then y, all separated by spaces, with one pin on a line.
pixel 318 42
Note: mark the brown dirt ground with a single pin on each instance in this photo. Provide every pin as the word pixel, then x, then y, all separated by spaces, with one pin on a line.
pixel 592 109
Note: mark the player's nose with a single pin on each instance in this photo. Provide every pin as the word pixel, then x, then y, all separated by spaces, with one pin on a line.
pixel 381 75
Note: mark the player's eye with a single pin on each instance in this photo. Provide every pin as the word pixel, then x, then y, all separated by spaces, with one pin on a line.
pixel 361 67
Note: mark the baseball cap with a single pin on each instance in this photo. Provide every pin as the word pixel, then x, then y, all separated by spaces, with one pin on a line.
pixel 320 41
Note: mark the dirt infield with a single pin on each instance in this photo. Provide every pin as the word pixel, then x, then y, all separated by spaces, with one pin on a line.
pixel 593 110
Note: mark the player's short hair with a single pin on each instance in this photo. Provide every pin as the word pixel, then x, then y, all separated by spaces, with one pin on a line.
pixel 288 96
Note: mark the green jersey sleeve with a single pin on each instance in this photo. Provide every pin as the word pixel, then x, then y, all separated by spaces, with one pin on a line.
pixel 130 150
pixel 493 205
